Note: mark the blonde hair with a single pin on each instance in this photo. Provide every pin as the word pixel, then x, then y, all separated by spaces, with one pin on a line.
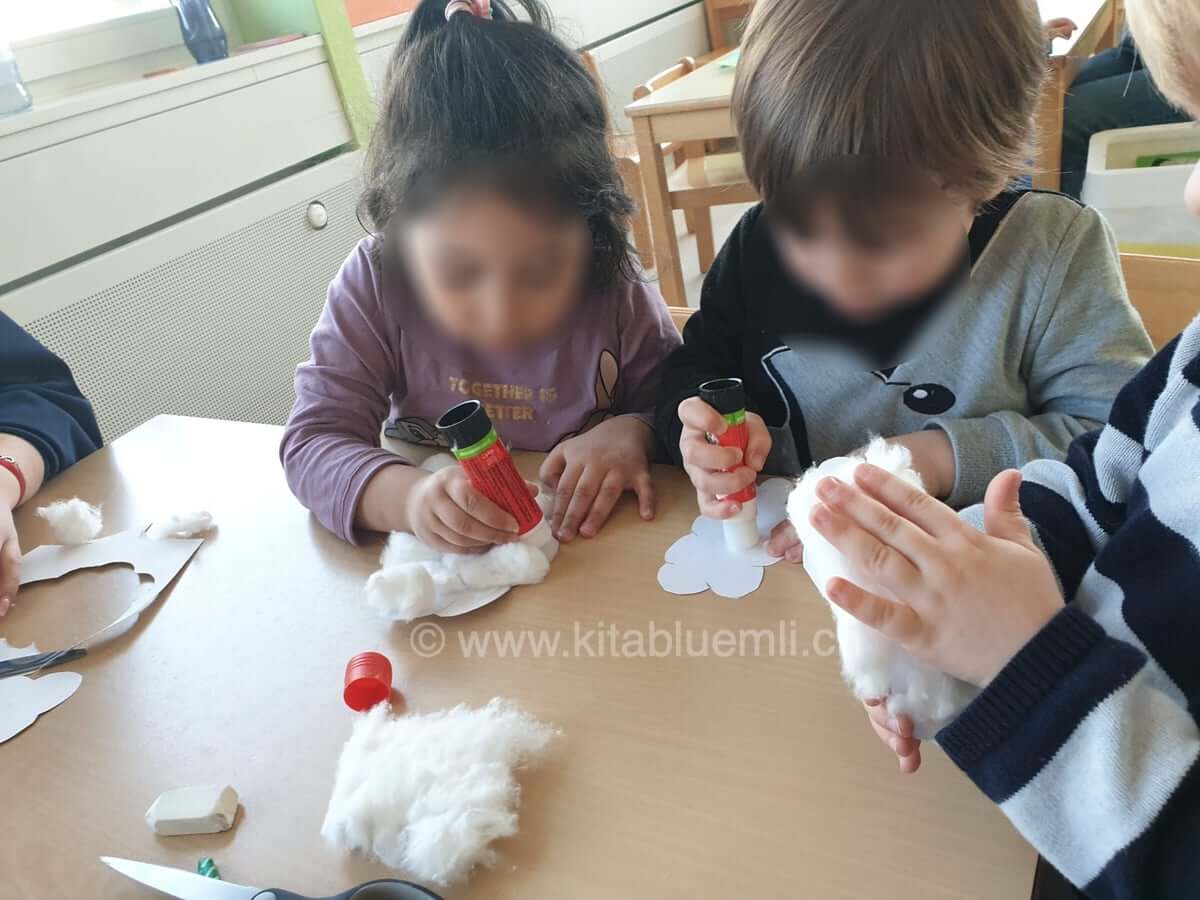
pixel 947 87
pixel 1168 37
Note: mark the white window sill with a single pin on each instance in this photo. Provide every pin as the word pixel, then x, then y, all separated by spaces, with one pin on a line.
pixel 105 107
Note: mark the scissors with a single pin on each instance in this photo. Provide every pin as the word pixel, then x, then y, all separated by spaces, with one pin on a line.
pixel 189 886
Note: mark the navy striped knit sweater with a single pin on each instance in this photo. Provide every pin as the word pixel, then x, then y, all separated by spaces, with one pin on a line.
pixel 1088 740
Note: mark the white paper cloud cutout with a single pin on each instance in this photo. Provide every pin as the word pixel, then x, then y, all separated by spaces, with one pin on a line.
pixel 700 561
pixel 23 699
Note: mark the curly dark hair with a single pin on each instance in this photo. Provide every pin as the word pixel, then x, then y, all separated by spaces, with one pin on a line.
pixel 502 104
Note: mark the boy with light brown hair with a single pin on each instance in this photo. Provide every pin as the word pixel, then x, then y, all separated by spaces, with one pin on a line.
pixel 888 283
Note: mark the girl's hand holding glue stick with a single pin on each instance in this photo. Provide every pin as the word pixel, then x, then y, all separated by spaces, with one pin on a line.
pixel 719 464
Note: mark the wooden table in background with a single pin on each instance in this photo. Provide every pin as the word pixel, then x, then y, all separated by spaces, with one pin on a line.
pixel 694 108
pixel 704 777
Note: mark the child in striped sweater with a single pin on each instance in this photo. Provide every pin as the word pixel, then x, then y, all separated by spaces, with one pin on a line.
pixel 1072 598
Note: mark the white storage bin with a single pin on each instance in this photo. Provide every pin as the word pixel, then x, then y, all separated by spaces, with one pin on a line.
pixel 1144 205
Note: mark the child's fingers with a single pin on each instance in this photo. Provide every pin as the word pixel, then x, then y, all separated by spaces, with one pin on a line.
pixel 759 446
pixel 700 454
pixel 10 574
pixel 871 556
pixel 610 492
pixel 901 746
pixel 564 493
pixel 553 467
pixel 722 483
pixel 695 413
pixel 643 487
pixel 910 763
pixel 587 491
pixel 877 520
pixel 713 508
pixel 907 501
pixel 783 538
pixel 475 517
pixel 894 620
pixel 443 538
pixel 901 726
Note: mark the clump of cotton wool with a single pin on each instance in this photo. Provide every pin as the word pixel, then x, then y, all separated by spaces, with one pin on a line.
pixel 182 525
pixel 414 581
pixel 73 521
pixel 428 794
pixel 875 667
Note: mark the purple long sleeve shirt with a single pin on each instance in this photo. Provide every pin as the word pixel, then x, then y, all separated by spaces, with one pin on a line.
pixel 377 358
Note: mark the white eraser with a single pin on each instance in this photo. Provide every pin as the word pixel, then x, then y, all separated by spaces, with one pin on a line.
pixel 741 531
pixel 206 809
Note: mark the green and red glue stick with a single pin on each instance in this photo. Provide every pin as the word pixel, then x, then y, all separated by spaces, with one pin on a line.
pixel 490 467
pixel 728 397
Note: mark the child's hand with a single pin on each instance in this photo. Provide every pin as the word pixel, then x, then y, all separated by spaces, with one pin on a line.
pixel 446 513
pixel 971 600
pixel 1060 28
pixel 589 473
pixel 785 543
pixel 933 458
pixel 705 463
pixel 10 559
pixel 896 732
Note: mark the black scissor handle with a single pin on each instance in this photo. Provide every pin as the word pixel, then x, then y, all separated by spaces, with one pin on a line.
pixel 384 889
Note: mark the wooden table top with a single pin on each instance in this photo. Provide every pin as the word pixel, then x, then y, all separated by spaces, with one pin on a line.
pixel 682 777
pixel 709 87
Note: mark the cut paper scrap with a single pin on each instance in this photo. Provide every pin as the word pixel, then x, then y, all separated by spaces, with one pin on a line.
pixel 23 699
pixel 157 559
pixel 701 561
pixel 428 794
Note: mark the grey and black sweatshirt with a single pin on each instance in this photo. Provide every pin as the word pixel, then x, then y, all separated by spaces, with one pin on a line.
pixel 1012 360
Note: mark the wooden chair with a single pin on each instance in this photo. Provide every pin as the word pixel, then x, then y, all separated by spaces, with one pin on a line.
pixel 1165 292
pixel 705 180
pixel 624 150
pixel 680 315
pixel 720 13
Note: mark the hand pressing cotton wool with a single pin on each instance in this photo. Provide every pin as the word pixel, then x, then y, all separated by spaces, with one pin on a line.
pixel 427 794
pixel 414 581
pixel 872 665
pixel 73 521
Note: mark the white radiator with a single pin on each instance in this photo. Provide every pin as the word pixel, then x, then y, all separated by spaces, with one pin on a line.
pixel 205 318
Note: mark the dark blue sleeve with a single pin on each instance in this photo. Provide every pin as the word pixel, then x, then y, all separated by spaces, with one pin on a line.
pixel 40 403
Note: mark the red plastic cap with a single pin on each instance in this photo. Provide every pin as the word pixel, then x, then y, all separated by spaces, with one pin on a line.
pixel 368 681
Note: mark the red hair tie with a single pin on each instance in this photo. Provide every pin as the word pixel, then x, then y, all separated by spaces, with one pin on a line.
pixel 480 8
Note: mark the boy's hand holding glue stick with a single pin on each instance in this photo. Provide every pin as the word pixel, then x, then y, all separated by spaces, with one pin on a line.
pixel 724 447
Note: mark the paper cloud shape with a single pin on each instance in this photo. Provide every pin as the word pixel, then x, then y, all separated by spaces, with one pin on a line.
pixel 700 561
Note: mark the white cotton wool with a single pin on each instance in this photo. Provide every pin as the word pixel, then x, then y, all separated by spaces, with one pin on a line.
pixel 414 581
pixel 73 521
pixel 428 794
pixel 182 525
pixel 872 665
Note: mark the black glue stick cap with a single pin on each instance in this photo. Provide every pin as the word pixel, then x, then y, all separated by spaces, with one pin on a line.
pixel 725 395
pixel 465 424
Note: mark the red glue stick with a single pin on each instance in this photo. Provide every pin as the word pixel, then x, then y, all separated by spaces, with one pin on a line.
pixel 728 397
pixel 487 462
